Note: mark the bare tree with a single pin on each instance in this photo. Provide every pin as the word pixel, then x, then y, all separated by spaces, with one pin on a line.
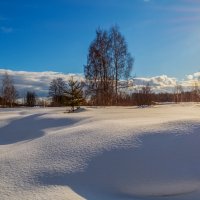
pixel 195 91
pixel 121 60
pixel 56 91
pixel 97 71
pixel 74 94
pixel 143 96
pixel 178 90
pixel 108 61
pixel 9 92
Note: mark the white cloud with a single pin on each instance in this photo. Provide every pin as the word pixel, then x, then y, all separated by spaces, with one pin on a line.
pixel 191 80
pixel 39 81
pixel 161 83
pixel 36 81
pixel 190 77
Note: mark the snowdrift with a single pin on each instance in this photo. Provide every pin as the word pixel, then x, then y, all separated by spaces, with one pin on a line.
pixel 102 153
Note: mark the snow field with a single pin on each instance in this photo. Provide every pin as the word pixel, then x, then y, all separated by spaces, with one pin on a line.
pixel 100 153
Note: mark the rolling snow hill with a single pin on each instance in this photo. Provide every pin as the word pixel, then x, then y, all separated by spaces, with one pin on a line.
pixel 110 153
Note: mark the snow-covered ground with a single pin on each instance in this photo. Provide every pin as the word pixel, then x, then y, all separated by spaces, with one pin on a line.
pixel 111 153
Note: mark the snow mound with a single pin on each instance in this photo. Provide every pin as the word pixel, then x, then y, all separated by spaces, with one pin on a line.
pixel 105 153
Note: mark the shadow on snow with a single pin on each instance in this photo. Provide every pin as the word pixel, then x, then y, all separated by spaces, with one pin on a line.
pixel 30 127
pixel 164 166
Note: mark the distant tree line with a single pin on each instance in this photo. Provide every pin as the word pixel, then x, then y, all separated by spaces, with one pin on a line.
pixel 69 93
pixel 145 96
pixel 73 93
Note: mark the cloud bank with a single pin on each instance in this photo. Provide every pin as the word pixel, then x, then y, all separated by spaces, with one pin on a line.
pixel 39 81
pixel 35 81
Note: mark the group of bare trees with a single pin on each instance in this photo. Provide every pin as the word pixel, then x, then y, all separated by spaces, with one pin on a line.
pixel 108 61
pixel 56 91
pixel 68 93
pixel 187 96
pixel 9 94
pixel 62 93
pixel 8 91
pixel 143 96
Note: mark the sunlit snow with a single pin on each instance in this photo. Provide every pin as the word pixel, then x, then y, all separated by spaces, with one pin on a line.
pixel 108 153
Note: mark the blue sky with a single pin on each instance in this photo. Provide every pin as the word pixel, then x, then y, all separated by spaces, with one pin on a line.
pixel 54 35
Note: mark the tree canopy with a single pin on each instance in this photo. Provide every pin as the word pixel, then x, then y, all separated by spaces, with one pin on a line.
pixel 108 61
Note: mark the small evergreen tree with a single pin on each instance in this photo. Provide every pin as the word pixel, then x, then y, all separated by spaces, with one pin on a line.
pixel 30 99
pixel 74 94
pixel 1 101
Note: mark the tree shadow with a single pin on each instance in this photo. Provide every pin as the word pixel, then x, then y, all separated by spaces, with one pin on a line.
pixel 163 166
pixel 31 127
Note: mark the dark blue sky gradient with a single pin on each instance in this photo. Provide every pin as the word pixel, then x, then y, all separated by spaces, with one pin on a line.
pixel 54 35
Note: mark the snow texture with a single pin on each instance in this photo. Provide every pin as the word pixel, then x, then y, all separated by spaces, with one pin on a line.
pixel 110 153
